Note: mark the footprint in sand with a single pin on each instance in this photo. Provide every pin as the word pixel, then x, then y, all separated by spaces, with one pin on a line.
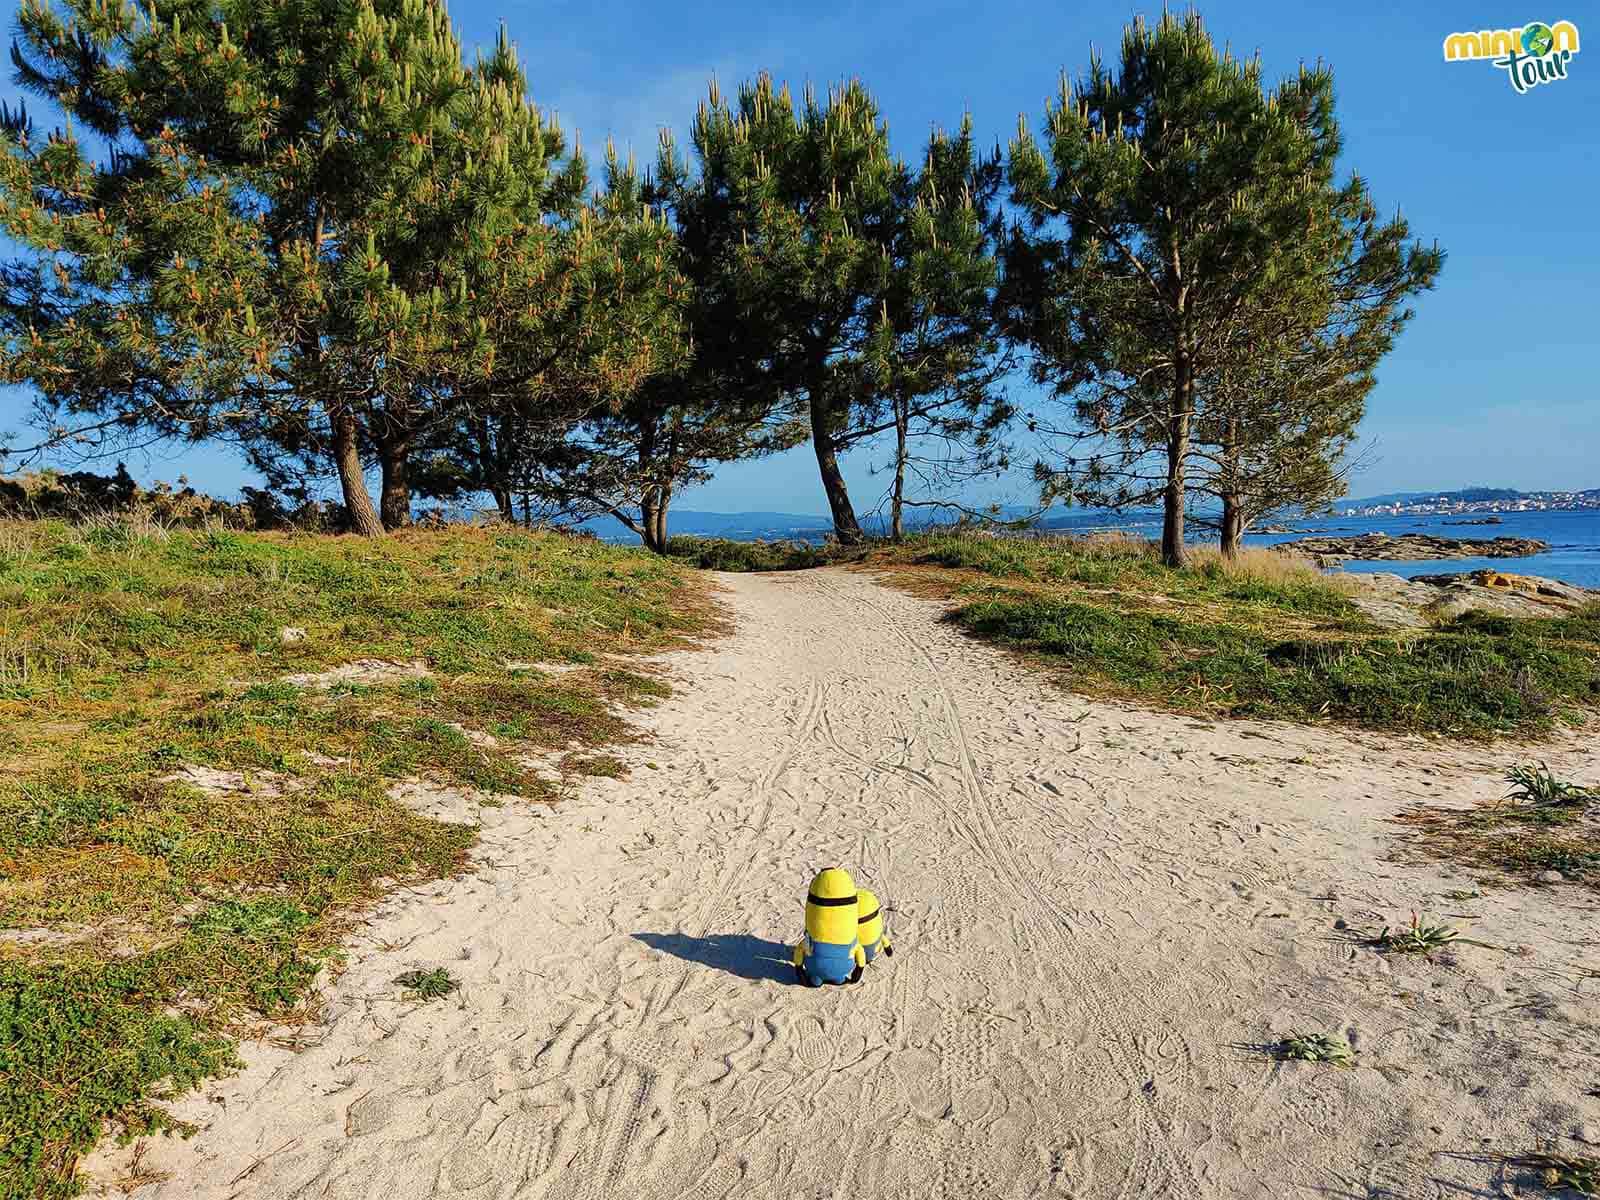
pixel 921 1078
pixel 812 1049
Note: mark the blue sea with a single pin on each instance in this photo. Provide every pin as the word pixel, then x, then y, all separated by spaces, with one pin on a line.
pixel 1573 557
pixel 1574 537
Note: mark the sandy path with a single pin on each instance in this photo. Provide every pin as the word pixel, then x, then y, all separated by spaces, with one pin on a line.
pixel 1098 911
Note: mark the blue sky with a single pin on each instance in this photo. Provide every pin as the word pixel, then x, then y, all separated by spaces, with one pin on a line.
pixel 1493 383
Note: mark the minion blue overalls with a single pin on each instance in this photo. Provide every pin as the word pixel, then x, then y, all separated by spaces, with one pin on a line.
pixel 831 950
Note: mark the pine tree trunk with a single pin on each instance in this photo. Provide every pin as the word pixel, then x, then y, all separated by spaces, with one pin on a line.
pixel 394 498
pixel 1232 526
pixel 897 528
pixel 653 500
pixel 1232 512
pixel 845 526
pixel 653 519
pixel 658 524
pixel 489 471
pixel 347 461
pixel 1173 551
pixel 647 519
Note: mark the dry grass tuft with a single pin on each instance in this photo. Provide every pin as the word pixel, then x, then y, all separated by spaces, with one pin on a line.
pixel 1264 565
pixel 1543 825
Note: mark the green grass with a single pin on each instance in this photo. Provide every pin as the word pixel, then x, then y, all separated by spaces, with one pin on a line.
pixel 1457 680
pixel 156 915
pixel 720 554
pixel 1130 565
pixel 1266 637
pixel 85 1040
pixel 80 1043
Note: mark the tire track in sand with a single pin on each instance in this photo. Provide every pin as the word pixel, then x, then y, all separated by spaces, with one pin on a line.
pixel 1044 921
pixel 603 1160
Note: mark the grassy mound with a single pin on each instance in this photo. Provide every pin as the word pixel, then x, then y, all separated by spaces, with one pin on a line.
pixel 720 554
pixel 183 833
pixel 1263 637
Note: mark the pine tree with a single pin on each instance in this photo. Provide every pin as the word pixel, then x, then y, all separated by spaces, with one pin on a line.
pixel 1276 419
pixel 937 350
pixel 286 237
pixel 547 427
pixel 630 458
pixel 819 248
pixel 1176 206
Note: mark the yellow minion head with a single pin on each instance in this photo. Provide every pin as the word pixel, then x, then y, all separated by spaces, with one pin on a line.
pixel 831 908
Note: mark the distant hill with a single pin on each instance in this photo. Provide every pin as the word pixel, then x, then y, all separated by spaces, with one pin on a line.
pixel 1463 495
pixel 1470 495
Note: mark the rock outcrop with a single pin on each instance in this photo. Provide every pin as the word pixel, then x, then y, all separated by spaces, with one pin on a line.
pixel 1425 600
pixel 1408 547
pixel 1511 595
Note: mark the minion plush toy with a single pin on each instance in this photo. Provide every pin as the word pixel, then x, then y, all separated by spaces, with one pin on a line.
pixel 869 926
pixel 830 952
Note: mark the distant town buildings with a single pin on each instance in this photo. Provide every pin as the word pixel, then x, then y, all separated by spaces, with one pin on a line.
pixel 1479 501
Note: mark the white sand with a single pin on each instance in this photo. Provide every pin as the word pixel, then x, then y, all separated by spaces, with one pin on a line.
pixel 1099 912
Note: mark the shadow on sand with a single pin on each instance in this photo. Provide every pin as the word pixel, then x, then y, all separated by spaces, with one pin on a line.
pixel 736 953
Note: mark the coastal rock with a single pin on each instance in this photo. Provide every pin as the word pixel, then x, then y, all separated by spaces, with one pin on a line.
pixel 1532 585
pixel 1409 547
pixel 1422 600
pixel 1502 593
pixel 1393 600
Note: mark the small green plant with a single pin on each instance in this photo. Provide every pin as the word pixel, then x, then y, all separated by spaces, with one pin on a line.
pixel 1315 1047
pixel 1415 938
pixel 1537 785
pixel 427 985
pixel 1575 1173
